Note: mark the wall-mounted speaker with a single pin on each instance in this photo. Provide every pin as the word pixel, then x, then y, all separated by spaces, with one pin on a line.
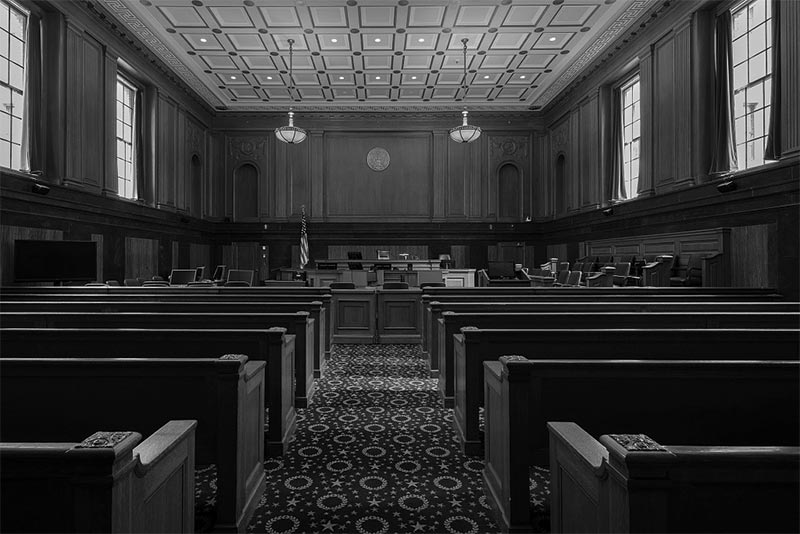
pixel 40 189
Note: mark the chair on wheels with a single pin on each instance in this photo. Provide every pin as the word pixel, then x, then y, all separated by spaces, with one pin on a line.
pixel 423 285
pixel 96 284
pixel 240 275
pixel 353 266
pixel 130 282
pixel 445 262
pixel 236 283
pixel 693 275
pixel 155 283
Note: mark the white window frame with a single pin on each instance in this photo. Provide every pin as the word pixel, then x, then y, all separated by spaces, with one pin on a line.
pixel 630 182
pixel 12 97
pixel 126 163
pixel 752 100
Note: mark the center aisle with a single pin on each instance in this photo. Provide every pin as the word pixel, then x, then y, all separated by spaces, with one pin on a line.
pixel 374 453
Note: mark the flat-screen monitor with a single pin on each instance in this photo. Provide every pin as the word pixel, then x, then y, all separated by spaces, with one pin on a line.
pixel 501 269
pixel 200 273
pixel 181 277
pixel 219 272
pixel 240 275
pixel 55 261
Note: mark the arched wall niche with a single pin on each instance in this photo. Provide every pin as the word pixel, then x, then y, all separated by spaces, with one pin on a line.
pixel 509 191
pixel 245 192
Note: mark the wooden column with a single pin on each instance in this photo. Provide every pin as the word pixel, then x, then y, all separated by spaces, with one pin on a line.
pixel 683 133
pixel 110 177
pixel 646 188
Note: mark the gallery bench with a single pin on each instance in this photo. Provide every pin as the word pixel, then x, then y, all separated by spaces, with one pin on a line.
pixel 272 346
pixel 631 483
pixel 109 482
pixel 753 403
pixel 52 399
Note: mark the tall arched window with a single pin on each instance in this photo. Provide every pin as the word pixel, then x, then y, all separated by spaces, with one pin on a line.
pixel 509 192
pixel 245 191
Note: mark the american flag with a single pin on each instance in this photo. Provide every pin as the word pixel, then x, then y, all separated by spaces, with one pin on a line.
pixel 303 239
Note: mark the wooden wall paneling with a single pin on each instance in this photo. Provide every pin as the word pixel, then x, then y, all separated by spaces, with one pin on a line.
pixel 298 184
pixel 295 263
pixel 559 160
pixel 226 257
pixel 459 255
pixel 263 266
pixel 790 77
pixel 683 110
pixel 141 257
pixel 247 255
pixel 441 170
pixel 749 256
pixel 702 95
pixel 218 178
pixel 199 255
pixel 165 178
pixel 456 180
pixel 574 159
pixel 589 176
pixel 316 210
pixel 556 251
pixel 98 238
pixel 182 158
pixel 10 233
pixel 476 180
pixel 197 163
pixel 248 165
pixel 646 105
pixel 176 255
pixel 664 111
pixel 246 180
pixel 529 257
pixel 110 178
pixel 541 180
pixel 94 115
pixel 401 190
pixel 74 112
pixel 509 166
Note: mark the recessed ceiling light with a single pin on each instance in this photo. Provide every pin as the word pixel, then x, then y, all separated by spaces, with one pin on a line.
pixel 233 77
pixel 341 77
pixel 522 76
pixel 552 39
pixel 377 77
pixel 269 77
pixel 421 40
pixel 377 39
pixel 486 77
pixel 334 40
pixel 413 77
pixel 203 40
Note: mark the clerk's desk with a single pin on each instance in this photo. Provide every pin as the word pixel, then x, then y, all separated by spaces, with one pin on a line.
pixel 414 278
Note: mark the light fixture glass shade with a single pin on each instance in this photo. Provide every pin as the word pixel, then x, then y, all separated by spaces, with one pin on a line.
pixel 465 133
pixel 291 134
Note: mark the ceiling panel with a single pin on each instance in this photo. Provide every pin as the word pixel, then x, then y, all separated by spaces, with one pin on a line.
pixel 347 53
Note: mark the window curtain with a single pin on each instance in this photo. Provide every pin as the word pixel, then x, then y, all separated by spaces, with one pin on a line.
pixel 617 181
pixel 773 149
pixel 32 128
pixel 724 155
pixel 138 144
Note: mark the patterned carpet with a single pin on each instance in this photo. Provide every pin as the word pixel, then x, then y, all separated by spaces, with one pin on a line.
pixel 375 453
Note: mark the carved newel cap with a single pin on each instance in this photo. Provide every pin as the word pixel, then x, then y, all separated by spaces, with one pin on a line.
pixel 240 357
pixel 104 440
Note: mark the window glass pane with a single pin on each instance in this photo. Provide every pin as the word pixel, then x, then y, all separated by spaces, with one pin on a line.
pixel 757 39
pixel 636 129
pixel 740 156
pixel 739 24
pixel 3 44
pixel 740 76
pixel 120 167
pixel 755 95
pixel 3 70
pixel 756 14
pixel 16 129
pixel 739 127
pixel 4 16
pixel 15 77
pixel 15 53
pixel 17 104
pixel 636 106
pixel 739 50
pixel 739 108
pixel 17 24
pixel 758 66
pixel 635 168
pixel 627 115
pixel 16 152
pixel 757 153
pixel 758 123
pixel 5 126
pixel 626 98
pixel 768 91
pixel 636 93
pixel 5 153
pixel 635 149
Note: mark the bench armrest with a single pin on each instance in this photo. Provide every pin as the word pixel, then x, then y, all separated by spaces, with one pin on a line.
pixel 158 445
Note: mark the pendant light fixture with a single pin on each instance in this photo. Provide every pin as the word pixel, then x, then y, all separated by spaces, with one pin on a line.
pixel 291 134
pixel 465 133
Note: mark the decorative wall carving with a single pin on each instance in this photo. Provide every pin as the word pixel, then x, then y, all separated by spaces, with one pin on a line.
pixel 103 440
pixel 194 138
pixel 560 136
pixel 637 442
pixel 505 148
pixel 246 149
pixel 378 159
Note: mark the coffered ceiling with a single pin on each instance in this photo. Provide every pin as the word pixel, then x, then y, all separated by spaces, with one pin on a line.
pixel 377 54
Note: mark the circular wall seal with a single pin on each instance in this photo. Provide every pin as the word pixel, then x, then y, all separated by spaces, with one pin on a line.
pixel 378 159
